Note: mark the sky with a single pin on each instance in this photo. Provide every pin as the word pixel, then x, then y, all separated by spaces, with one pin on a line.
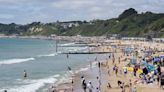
pixel 27 11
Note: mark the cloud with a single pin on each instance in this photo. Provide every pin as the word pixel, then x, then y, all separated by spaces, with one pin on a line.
pixel 26 11
pixel 73 4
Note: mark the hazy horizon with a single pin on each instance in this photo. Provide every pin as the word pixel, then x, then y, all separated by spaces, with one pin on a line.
pixel 46 11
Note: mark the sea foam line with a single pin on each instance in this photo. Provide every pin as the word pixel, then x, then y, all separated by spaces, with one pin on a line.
pixel 67 44
pixel 33 85
pixel 14 61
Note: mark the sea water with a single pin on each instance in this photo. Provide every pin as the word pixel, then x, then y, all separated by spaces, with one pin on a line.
pixel 43 64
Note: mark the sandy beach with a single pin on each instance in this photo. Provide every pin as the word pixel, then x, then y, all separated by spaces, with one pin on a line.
pixel 107 73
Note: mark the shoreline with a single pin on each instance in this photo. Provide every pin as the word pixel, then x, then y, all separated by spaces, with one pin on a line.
pixel 112 78
pixel 83 39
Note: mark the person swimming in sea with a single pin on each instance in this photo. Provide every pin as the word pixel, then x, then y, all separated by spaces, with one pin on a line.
pixel 25 74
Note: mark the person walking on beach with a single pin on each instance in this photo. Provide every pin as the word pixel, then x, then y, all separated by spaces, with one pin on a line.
pixel 90 86
pixel 99 82
pixel 113 60
pixel 130 85
pixel 84 85
pixel 53 89
pixel 123 87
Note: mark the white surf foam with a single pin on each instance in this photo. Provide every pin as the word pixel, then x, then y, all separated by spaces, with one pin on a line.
pixel 14 61
pixel 67 44
pixel 33 85
pixel 49 55
pixel 82 69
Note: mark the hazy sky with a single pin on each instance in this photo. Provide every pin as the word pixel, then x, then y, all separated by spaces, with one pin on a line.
pixel 27 11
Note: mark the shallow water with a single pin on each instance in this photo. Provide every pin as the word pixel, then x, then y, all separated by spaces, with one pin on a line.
pixel 41 61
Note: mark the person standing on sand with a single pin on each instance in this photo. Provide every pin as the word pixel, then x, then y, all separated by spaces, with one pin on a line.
pixel 90 62
pixel 109 72
pixel 90 86
pixel 116 71
pixel 119 60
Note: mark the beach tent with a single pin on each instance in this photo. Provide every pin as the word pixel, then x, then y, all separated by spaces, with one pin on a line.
pixel 140 71
pixel 150 67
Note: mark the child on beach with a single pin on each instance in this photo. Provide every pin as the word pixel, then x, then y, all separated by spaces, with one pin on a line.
pixel 125 71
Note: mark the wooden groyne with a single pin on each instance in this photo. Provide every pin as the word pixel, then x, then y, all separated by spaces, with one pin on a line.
pixel 87 53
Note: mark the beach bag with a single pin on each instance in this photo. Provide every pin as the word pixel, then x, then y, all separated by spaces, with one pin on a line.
pixel 162 82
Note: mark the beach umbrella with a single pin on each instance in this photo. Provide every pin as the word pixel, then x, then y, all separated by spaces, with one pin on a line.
pixel 130 69
pixel 139 71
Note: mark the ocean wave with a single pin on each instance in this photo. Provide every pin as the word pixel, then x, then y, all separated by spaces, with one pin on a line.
pixel 33 85
pixel 14 61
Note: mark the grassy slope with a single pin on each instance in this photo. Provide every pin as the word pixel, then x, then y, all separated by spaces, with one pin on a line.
pixel 135 25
